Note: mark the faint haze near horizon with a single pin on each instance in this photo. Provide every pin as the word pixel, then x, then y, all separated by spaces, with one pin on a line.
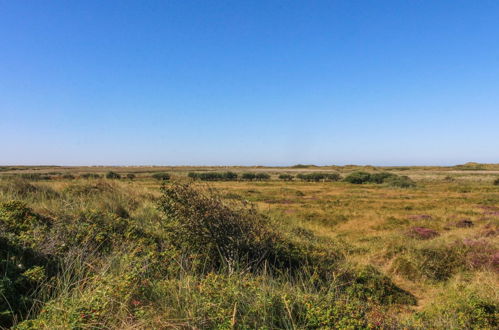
pixel 249 83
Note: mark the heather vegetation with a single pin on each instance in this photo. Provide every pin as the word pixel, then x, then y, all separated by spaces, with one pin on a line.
pixel 259 252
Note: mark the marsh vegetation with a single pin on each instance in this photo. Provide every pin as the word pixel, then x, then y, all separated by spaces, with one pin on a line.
pixel 290 248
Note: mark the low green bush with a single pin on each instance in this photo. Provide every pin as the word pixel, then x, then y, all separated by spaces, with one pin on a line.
pixel 358 177
pixel 112 175
pixel 316 177
pixel 200 223
pixel 23 271
pixel 369 284
pixel 390 179
pixel 161 176
pixel 400 182
pixel 248 176
pixel 90 176
pixel 381 177
pixel 34 176
pixel 213 176
pixel 286 177
pixel 262 176
pixel 459 308
pixel 17 217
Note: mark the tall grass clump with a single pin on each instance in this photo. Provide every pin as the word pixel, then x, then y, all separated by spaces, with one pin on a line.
pixel 18 188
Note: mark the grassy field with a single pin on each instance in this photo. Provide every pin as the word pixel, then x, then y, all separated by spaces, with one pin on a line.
pixel 85 252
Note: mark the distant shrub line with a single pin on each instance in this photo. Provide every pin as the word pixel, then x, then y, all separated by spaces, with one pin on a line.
pixel 90 176
pixel 250 176
pixel 161 176
pixel 316 177
pixel 379 178
pixel 112 175
pixel 228 176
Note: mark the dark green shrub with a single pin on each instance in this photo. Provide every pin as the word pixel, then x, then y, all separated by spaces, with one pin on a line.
pixel 201 225
pixel 210 176
pixel 358 177
pixel 213 176
pixel 496 182
pixel 22 271
pixel 332 177
pixel 34 176
pixel 381 177
pixel 400 182
pixel 248 176
pixel 370 284
pixel 316 177
pixel 193 175
pixel 161 176
pixel 286 177
pixel 230 176
pixel 16 217
pixel 262 176
pixel 98 233
pixel 112 175
pixel 90 176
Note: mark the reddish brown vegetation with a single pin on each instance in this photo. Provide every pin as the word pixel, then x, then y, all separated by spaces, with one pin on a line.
pixel 420 217
pixel 422 233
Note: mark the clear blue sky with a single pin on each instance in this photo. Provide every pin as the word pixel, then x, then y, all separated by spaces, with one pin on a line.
pixel 249 82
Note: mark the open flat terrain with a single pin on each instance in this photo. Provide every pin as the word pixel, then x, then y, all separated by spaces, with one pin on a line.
pixel 431 250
